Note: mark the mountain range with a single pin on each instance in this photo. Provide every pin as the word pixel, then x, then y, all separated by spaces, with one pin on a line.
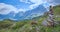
pixel 25 15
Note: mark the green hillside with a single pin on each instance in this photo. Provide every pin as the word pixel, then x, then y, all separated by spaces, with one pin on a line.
pixel 57 13
pixel 25 25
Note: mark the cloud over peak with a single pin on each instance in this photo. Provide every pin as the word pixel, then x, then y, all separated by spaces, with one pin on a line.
pixel 6 9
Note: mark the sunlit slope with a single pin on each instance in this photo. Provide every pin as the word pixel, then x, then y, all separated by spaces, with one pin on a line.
pixel 57 13
pixel 57 10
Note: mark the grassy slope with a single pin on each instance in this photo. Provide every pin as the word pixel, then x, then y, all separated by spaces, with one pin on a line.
pixel 25 25
pixel 57 13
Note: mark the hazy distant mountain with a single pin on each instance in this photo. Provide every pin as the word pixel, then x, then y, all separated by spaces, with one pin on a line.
pixel 25 15
pixel 31 14
pixel 36 12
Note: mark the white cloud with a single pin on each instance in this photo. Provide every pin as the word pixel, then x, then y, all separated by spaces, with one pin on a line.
pixel 25 1
pixel 36 3
pixel 46 3
pixel 54 2
pixel 22 9
pixel 6 9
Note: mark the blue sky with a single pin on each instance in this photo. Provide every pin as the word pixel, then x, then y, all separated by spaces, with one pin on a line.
pixel 17 6
pixel 15 3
